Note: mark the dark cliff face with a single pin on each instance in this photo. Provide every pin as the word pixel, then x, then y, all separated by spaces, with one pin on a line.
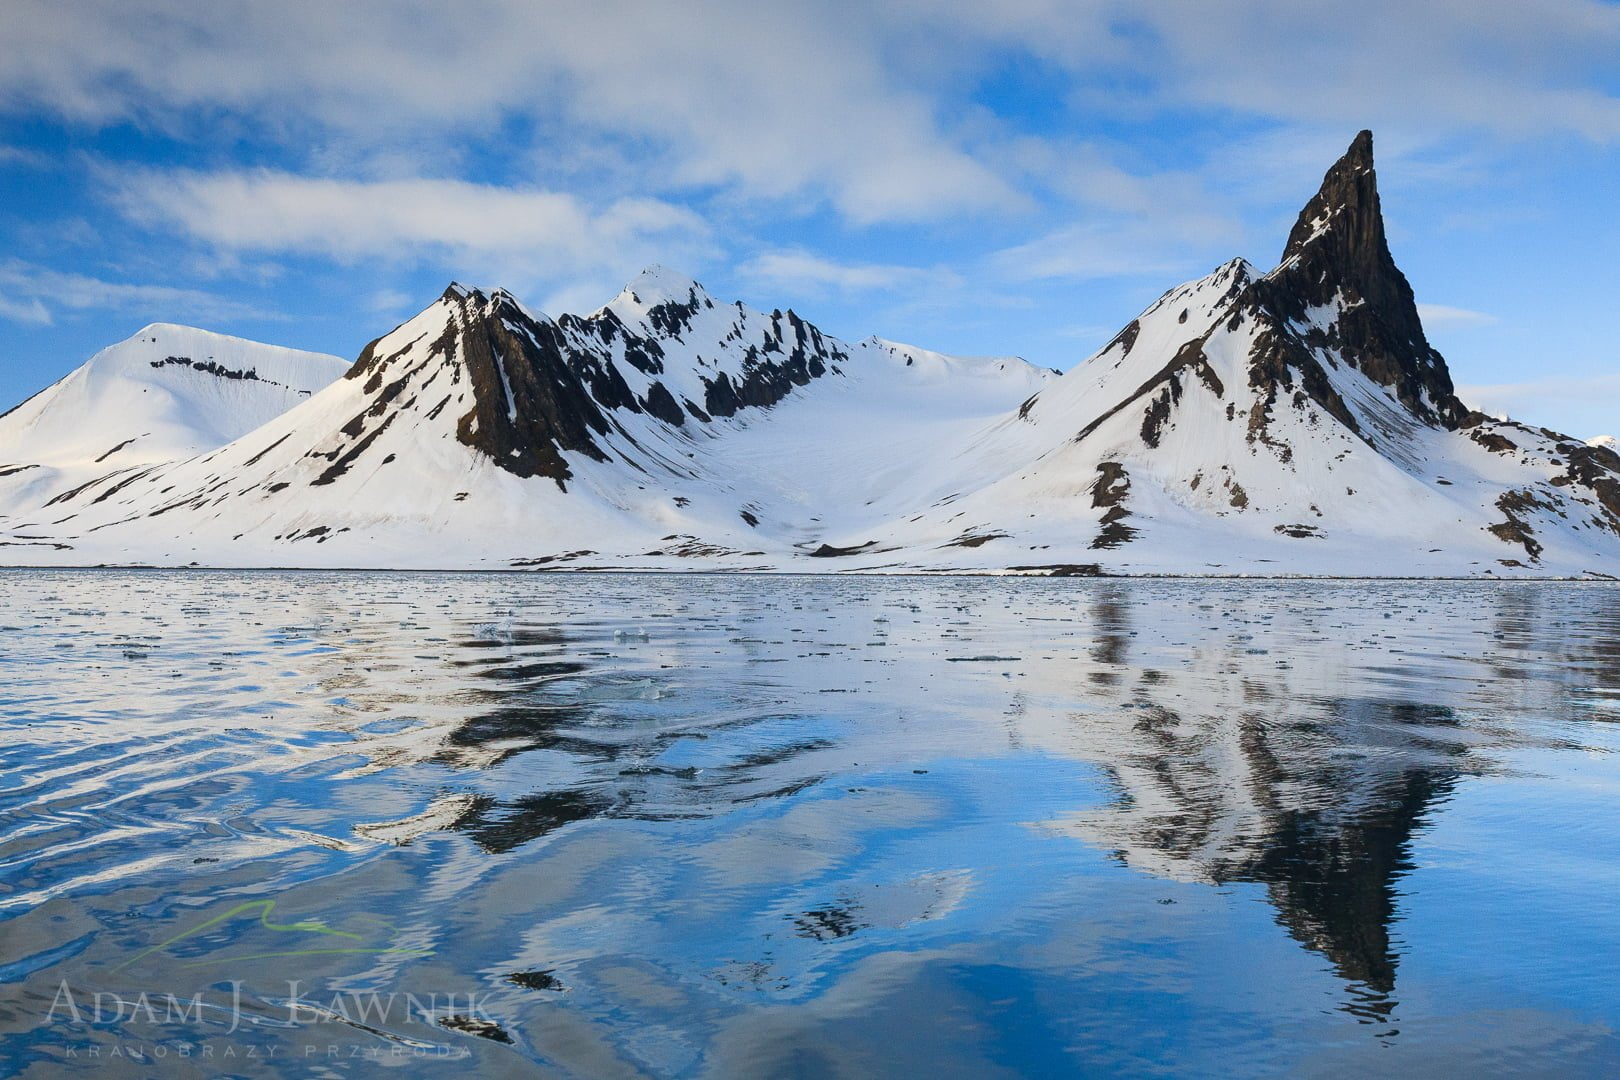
pixel 522 399
pixel 787 358
pixel 529 402
pixel 526 392
pixel 1338 249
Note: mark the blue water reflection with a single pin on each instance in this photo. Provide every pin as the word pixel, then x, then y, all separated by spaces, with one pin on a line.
pixel 659 825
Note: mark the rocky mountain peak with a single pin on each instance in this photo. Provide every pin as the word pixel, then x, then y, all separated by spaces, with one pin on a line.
pixel 1342 228
pixel 1338 258
pixel 1350 187
pixel 503 377
pixel 461 295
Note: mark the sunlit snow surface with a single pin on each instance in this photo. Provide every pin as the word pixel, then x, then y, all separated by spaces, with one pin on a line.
pixel 788 826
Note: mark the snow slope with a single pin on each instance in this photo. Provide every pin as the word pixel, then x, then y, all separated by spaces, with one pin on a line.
pixel 1293 421
pixel 164 394
pixel 167 392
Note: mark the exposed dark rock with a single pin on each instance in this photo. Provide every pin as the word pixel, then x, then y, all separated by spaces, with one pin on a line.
pixel 827 551
pixel 544 560
pixel 1337 249
pixel 534 390
pixel 114 450
pixel 1158 412
pixel 1126 338
pixel 1495 442
pixel 122 484
pixel 532 397
pixel 1109 493
pixel 207 366
pixel 670 318
pixel 690 547
pixel 70 495
pixel 1598 469
pixel 973 540
pixel 1064 569
pixel 347 458
pixel 1515 530
pixel 37 543
pixel 254 460
pixel 765 381
pixel 661 403
pixel 1276 355
pixel 1190 357
pixel 210 367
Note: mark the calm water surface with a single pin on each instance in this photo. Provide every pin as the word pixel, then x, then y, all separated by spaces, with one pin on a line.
pixel 330 824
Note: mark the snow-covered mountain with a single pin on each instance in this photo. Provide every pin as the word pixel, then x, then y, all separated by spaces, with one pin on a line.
pixel 168 392
pixel 481 434
pixel 164 394
pixel 1295 421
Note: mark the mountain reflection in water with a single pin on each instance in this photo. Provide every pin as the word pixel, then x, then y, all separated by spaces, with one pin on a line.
pixel 733 826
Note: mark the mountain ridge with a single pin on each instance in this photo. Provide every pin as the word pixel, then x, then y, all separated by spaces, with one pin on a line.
pixel 1292 421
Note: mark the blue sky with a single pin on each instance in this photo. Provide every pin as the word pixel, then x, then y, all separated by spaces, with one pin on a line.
pixel 1017 180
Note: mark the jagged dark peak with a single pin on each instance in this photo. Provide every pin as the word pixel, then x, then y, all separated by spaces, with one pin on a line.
pixel 663 299
pixel 1337 259
pixel 532 397
pixel 1346 203
pixel 1233 270
pixel 1339 241
pixel 515 388
pixel 492 300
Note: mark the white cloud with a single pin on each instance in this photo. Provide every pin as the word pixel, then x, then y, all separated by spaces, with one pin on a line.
pixel 481 230
pixel 789 100
pixel 33 293
pixel 806 272
pixel 29 310
pixel 1086 332
pixel 1440 314
pixel 870 107
pixel 16 155
pixel 1434 66
pixel 389 301
pixel 1114 246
